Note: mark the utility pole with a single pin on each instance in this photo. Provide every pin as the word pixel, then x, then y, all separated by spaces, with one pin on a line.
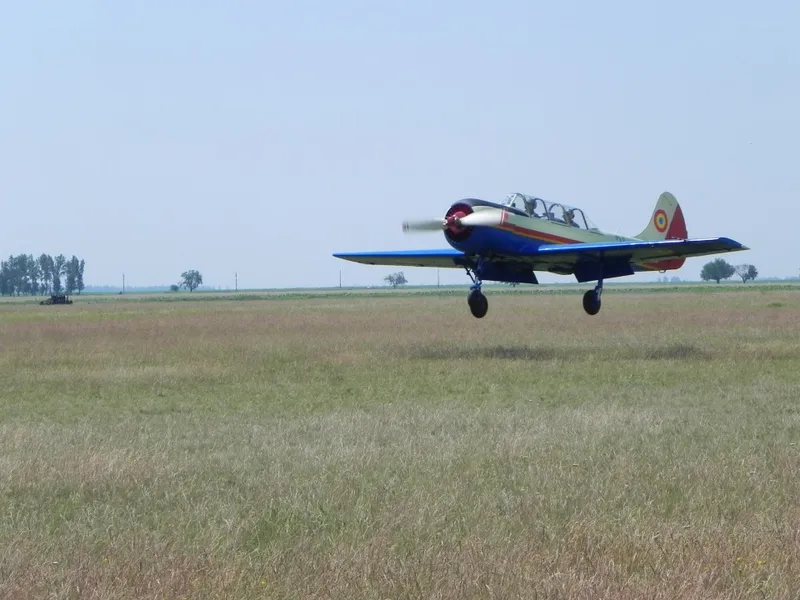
pixel 123 283
pixel 236 281
pixel 437 278
pixel 340 279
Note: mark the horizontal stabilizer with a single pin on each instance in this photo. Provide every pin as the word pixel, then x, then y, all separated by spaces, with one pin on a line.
pixel 642 251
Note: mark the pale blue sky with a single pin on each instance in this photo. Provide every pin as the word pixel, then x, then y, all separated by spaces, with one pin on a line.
pixel 152 137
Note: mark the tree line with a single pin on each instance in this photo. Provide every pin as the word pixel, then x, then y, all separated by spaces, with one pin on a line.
pixel 26 275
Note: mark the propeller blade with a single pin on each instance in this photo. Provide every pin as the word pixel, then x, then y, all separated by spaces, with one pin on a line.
pixel 484 218
pixel 426 225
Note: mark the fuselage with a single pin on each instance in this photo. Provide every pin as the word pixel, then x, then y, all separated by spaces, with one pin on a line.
pixel 519 233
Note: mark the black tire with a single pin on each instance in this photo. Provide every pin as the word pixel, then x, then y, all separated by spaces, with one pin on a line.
pixel 478 304
pixel 591 302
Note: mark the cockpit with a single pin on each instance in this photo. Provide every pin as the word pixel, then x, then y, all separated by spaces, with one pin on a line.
pixel 551 211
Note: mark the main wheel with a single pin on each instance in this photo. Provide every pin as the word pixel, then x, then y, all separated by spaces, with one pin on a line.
pixel 478 304
pixel 591 302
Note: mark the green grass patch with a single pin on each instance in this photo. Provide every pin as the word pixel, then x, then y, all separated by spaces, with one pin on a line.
pixel 343 447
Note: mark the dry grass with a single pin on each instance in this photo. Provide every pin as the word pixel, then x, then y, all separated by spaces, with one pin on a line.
pixel 352 448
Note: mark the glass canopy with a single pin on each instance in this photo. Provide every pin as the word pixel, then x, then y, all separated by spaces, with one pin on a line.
pixel 552 211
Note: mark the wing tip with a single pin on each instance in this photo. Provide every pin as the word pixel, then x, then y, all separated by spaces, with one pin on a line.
pixel 735 245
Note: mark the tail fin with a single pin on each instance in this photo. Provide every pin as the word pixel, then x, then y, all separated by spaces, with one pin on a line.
pixel 667 222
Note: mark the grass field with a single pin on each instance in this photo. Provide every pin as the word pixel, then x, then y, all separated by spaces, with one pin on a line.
pixel 343 447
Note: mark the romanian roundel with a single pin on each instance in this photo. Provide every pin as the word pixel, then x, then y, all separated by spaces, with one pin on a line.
pixel 660 221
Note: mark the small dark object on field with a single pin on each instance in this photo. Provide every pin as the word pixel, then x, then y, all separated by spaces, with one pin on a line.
pixel 57 299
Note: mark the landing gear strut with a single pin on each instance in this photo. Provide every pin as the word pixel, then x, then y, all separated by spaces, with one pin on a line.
pixel 591 299
pixel 478 304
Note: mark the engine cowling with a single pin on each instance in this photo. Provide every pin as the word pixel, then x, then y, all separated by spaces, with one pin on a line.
pixel 453 231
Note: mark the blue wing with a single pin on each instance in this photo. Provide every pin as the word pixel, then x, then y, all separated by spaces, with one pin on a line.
pixel 447 258
pixel 588 261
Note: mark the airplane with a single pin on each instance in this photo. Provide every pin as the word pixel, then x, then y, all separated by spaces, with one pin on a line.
pixel 511 240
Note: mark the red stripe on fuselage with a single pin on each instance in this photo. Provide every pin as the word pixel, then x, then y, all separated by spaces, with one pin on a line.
pixel 537 235
pixel 664 265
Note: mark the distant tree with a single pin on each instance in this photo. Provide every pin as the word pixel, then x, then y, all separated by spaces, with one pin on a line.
pixel 20 271
pixel 5 280
pixel 58 271
pixel 13 275
pixel 716 270
pixel 16 269
pixel 79 277
pixel 746 272
pixel 174 288
pixel 45 262
pixel 35 274
pixel 71 275
pixel 396 279
pixel 741 271
pixel 32 271
pixel 191 280
pixel 12 282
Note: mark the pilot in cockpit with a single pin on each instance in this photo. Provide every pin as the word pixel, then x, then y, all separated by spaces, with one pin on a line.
pixel 530 207
pixel 569 218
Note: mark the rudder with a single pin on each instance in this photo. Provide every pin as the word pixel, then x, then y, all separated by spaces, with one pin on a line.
pixel 666 222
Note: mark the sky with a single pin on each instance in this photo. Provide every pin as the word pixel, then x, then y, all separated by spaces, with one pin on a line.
pixel 259 137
